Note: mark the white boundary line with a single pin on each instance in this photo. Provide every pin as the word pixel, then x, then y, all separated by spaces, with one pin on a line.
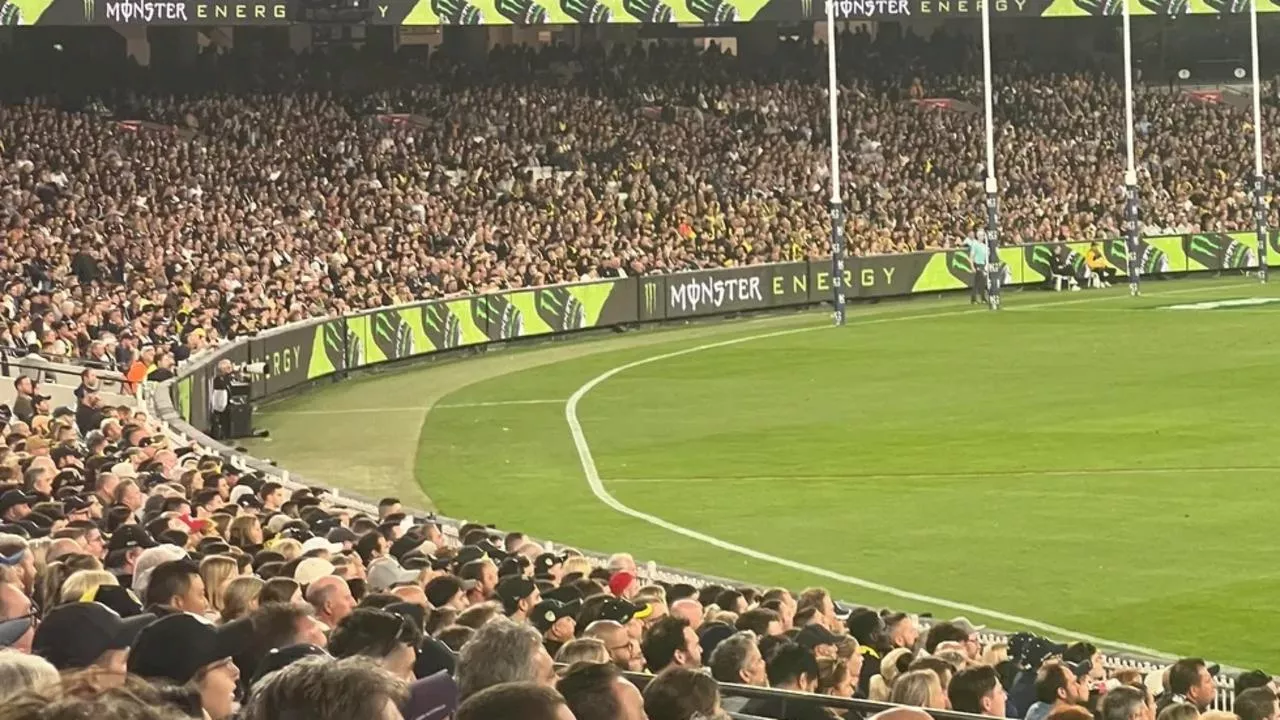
pixel 589 469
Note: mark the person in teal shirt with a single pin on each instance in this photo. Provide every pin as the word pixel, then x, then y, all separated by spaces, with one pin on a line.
pixel 978 255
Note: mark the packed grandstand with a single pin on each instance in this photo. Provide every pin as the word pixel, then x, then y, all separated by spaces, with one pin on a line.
pixel 148 218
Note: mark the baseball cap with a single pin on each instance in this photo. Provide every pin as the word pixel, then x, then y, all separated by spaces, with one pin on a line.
pixel 124 471
pixel 122 600
pixel 176 647
pixel 386 572
pixel 441 589
pixel 1252 679
pixel 968 627
pixel 543 564
pixel 76 635
pixel 12 630
pixel 514 589
pixel 546 613
pixel 311 570
pixel 127 537
pixel 280 658
pixel 342 535
pixel 319 543
pixel 623 612
pixel 620 582
pixel 14 498
pixel 813 635
pixel 712 634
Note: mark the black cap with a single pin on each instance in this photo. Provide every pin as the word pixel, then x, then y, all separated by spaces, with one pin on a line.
pixel 280 658
pixel 120 599
pixel 342 535
pixel 442 588
pixel 623 612
pixel 14 498
pixel 546 613
pixel 74 636
pixel 127 537
pixel 76 504
pixel 543 563
pixel 177 647
pixel 813 635
pixel 514 589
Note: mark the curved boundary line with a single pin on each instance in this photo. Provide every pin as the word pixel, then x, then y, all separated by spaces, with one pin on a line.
pixel 588 462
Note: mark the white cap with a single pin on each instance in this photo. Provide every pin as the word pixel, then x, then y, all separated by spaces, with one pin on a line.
pixel 319 543
pixel 124 471
pixel 311 570
pixel 240 491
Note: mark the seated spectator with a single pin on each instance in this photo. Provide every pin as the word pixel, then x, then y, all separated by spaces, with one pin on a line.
pixel 680 693
pixel 920 688
pixel 503 652
pixel 624 650
pixel 20 672
pixel 323 689
pixel 671 643
pixel 597 691
pixel 977 690
pixel 515 701
pixel 590 650
pixel 1257 704
pixel 186 650
pixel 1121 703
pixel 794 668
pixel 1057 685
pixel 737 659
pixel 387 638
pixel 89 635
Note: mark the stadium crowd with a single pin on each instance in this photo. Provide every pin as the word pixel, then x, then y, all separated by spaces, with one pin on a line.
pixel 144 580
pixel 250 192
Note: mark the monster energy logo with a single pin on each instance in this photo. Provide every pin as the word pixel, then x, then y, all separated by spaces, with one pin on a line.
pixel 650 298
pixel 141 11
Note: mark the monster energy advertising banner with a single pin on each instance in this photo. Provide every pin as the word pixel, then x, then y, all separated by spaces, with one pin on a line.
pixel 561 12
pixel 295 355
pixel 146 12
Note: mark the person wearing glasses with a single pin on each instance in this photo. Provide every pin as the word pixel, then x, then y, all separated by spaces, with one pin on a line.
pixel 624 650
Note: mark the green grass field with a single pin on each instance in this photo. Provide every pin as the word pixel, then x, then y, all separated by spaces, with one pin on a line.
pixel 1088 460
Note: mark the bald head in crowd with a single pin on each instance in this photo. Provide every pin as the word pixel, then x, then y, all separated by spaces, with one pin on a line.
pixel 689 609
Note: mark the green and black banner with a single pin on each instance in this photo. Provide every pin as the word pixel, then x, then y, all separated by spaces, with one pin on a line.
pixel 307 351
pixel 146 12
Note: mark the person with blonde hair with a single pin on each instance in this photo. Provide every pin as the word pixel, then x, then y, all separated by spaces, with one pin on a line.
pixel 1179 711
pixel 592 650
pixel 995 654
pixel 85 583
pixel 892 665
pixel 291 549
pixel 217 571
pixel 241 597
pixel 579 565
pixel 20 672
pixel 919 688
pixel 836 677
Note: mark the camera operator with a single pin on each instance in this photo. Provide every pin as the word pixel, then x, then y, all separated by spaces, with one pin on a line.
pixel 219 400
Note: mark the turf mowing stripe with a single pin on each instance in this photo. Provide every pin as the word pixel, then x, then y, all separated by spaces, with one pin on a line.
pixel 1159 293
pixel 497 403
pixel 587 460
pixel 953 475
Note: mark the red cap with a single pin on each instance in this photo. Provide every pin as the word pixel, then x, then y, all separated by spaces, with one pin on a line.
pixel 620 582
